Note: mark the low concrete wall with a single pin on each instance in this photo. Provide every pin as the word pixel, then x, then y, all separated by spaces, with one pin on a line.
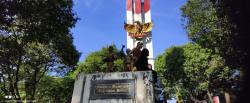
pixel 115 87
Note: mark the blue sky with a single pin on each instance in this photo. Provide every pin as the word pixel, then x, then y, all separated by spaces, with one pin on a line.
pixel 101 24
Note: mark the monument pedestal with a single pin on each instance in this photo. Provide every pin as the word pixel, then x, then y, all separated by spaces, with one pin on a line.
pixel 115 87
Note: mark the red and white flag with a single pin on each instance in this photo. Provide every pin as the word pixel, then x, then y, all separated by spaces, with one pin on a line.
pixel 129 11
pixel 147 11
pixel 138 10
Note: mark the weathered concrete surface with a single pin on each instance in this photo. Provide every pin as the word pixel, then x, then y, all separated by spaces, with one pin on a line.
pixel 143 87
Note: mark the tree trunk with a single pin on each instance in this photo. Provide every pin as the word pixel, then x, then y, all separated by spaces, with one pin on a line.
pixel 11 87
pixel 18 98
pixel 210 96
pixel 227 97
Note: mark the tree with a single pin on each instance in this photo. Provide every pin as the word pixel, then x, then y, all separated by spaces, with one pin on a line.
pixel 34 38
pixel 192 71
pixel 237 12
pixel 94 62
pixel 55 89
pixel 221 26
pixel 206 27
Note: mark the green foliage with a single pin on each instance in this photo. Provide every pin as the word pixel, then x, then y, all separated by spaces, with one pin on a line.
pixel 204 26
pixel 94 62
pixel 171 59
pixel 210 27
pixel 35 38
pixel 219 26
pixel 55 90
pixel 191 70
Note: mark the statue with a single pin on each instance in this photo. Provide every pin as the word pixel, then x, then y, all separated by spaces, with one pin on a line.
pixel 136 52
pixel 138 30
pixel 128 61
pixel 142 63
pixel 110 59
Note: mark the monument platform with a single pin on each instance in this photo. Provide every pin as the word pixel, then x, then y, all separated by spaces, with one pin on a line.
pixel 115 87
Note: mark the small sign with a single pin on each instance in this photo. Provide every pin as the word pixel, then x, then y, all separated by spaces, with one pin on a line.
pixel 112 89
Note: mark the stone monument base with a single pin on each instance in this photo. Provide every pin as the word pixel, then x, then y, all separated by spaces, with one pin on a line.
pixel 115 87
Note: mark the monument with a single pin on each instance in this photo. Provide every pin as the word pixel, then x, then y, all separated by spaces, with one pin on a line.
pixel 116 87
pixel 139 26
pixel 123 87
